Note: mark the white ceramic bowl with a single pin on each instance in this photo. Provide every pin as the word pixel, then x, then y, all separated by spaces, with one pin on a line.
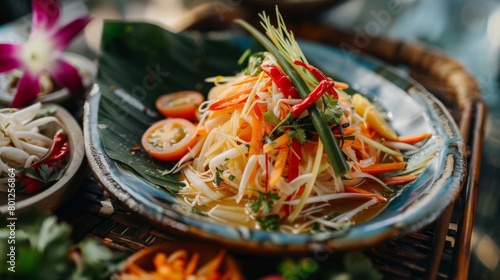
pixel 60 191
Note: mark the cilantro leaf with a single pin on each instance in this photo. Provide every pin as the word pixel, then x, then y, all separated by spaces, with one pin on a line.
pixel 270 118
pixel 218 176
pixel 264 203
pixel 333 112
pixel 254 205
pixel 269 222
pixel 44 247
pixel 298 269
pixel 298 134
pixel 45 174
pixel 353 265
pixel 359 266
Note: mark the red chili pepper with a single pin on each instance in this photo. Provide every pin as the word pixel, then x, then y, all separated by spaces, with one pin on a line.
pixel 295 157
pixel 58 141
pixel 312 97
pixel 32 185
pixel 281 80
pixel 55 158
pixel 266 185
pixel 320 76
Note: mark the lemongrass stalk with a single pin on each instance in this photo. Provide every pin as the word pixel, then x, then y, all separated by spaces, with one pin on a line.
pixel 331 145
pixel 378 145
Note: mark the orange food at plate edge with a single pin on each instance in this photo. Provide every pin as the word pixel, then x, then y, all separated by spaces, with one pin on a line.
pixel 180 262
pixel 181 104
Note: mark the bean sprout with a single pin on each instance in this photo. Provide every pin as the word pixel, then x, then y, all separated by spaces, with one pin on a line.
pixel 21 140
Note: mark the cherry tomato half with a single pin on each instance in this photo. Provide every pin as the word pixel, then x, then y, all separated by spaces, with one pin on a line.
pixel 180 104
pixel 169 139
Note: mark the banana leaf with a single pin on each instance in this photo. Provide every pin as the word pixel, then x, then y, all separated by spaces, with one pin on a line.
pixel 138 62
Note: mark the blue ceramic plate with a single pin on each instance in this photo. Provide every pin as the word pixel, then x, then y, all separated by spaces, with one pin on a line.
pixel 410 107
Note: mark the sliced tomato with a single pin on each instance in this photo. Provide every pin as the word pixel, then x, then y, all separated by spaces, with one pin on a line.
pixel 181 104
pixel 169 139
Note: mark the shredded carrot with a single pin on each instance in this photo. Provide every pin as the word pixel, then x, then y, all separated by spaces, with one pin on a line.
pixel 159 259
pixel 246 80
pixel 341 85
pixel 398 180
pixel 255 141
pixel 284 110
pixel 178 265
pixel 257 134
pixel 193 262
pixel 202 130
pixel 368 131
pixel 211 267
pixel 379 168
pixel 415 138
pixel 347 131
pixel 351 189
pixel 279 142
pixel 231 101
pixel 358 146
pixel 245 133
pixel 279 166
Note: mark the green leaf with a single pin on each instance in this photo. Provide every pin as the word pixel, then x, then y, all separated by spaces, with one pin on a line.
pixel 45 171
pixel 32 173
pixel 43 248
pixel 297 269
pixel 45 174
pixel 263 204
pixel 271 118
pixel 98 262
pixel 333 112
pixel 298 133
pixel 138 63
pixel 218 176
pixel 360 267
pixel 254 205
pixel 269 222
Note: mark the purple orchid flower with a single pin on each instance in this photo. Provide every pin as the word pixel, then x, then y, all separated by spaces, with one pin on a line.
pixel 42 52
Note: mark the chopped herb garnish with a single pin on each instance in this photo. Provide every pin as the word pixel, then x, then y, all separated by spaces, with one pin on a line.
pixel 297 133
pixel 268 222
pixel 270 118
pixel 218 176
pixel 264 203
pixel 45 174
pixel 333 112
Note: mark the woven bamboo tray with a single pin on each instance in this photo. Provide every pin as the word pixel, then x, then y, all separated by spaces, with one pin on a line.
pixel 439 251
